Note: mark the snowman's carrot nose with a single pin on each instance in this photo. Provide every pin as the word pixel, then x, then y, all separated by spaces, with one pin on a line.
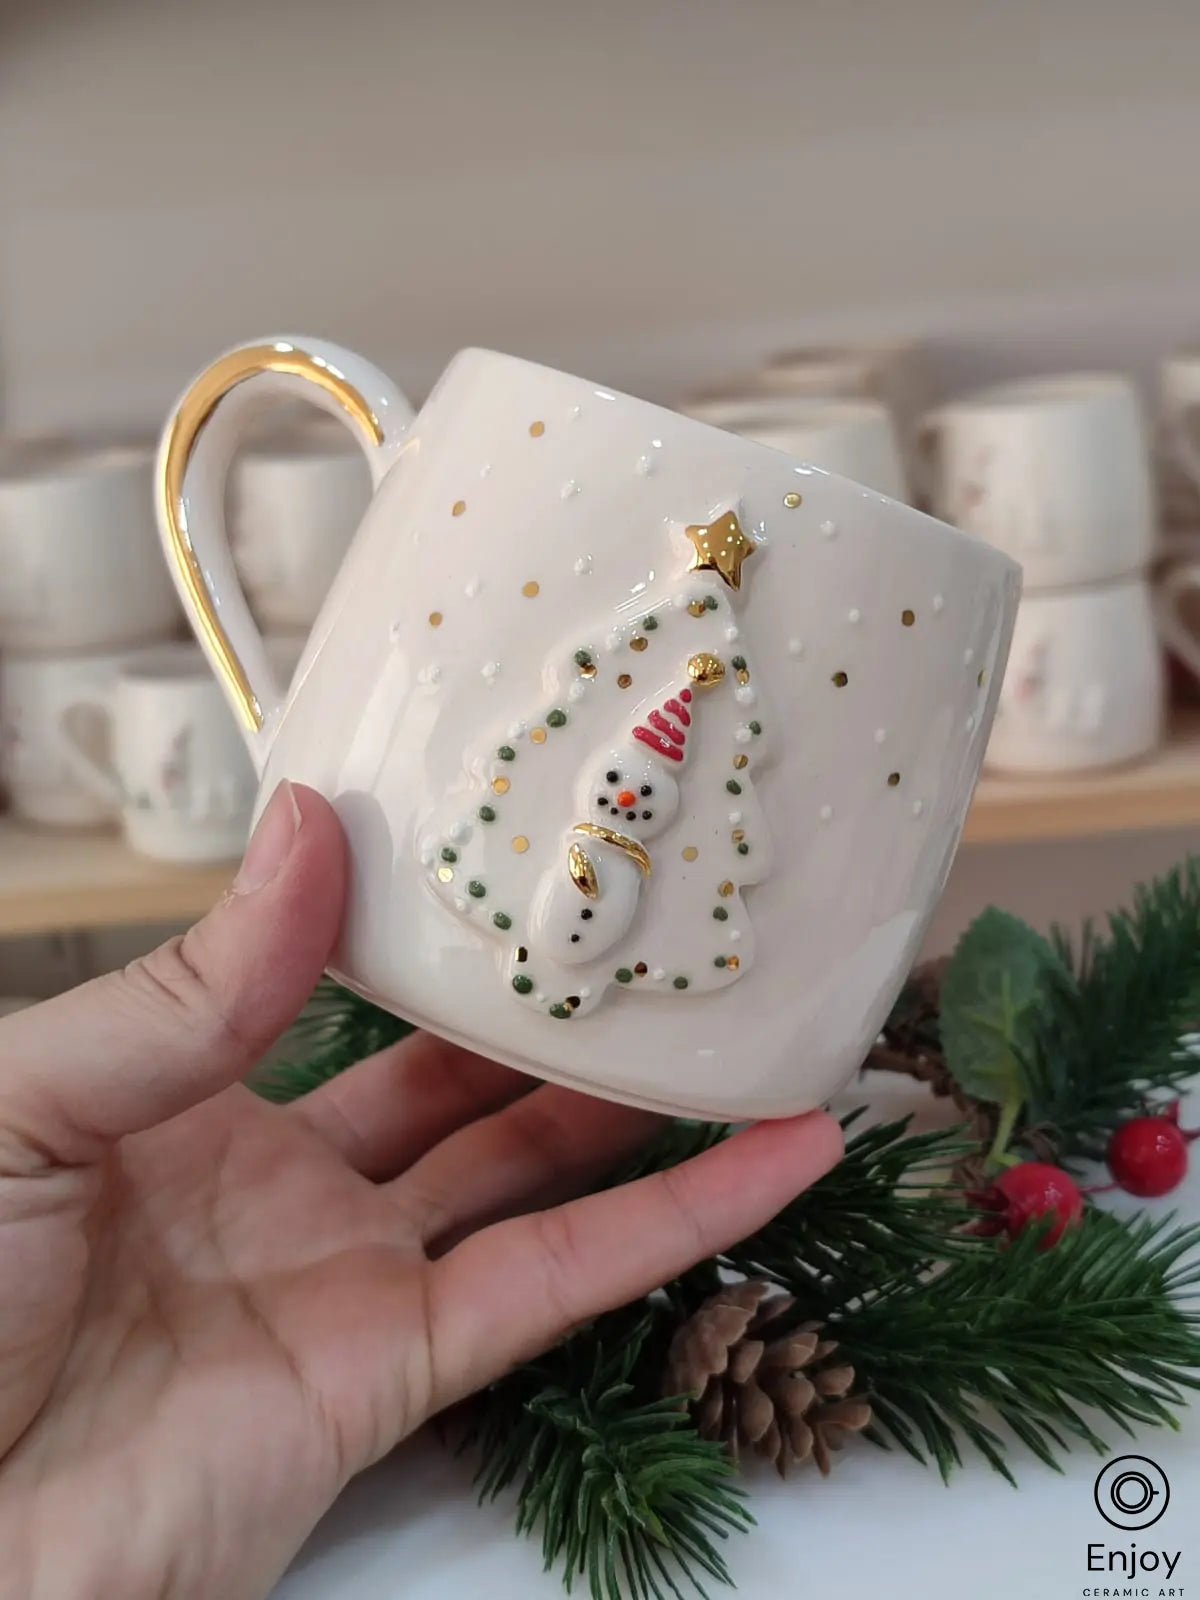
pixel 626 798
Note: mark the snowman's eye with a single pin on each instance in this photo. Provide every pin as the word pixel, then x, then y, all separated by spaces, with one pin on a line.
pixel 613 777
pixel 646 789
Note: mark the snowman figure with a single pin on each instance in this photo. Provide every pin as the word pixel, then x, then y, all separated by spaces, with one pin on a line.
pixel 587 900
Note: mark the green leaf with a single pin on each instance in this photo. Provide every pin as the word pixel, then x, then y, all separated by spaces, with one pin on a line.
pixel 990 999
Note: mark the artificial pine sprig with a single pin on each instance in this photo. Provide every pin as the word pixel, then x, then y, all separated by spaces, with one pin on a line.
pixel 1108 1321
pixel 336 1029
pixel 1110 1040
pixel 624 1490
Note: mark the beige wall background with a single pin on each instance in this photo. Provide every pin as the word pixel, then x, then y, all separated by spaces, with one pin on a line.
pixel 651 191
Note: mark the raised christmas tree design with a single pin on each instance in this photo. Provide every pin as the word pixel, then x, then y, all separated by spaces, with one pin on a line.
pixel 611 829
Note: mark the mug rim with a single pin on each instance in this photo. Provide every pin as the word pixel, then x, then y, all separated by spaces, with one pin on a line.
pixel 729 443
pixel 1049 391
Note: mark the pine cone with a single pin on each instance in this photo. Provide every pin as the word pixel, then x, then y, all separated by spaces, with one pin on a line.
pixel 755 1387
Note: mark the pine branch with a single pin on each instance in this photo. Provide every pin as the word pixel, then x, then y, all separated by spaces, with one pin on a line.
pixel 1106 1322
pixel 882 1213
pixel 624 1490
pixel 1110 1040
pixel 335 1030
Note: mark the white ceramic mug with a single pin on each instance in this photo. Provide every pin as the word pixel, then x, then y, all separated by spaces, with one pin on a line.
pixel 1085 683
pixel 1177 598
pixel 1055 471
pixel 854 438
pixel 891 371
pixel 78 564
pixel 295 500
pixel 652 745
pixel 36 751
pixel 1179 440
pixel 176 768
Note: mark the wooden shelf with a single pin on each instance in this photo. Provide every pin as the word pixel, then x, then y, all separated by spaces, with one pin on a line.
pixel 52 879
pixel 1163 792
pixel 58 880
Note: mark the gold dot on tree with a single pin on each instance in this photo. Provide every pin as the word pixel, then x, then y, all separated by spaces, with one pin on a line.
pixel 641 969
pixel 445 874
pixel 537 429
pixel 435 619
pixel 520 844
pixel 791 501
pixel 725 889
pixel 457 509
pixel 638 643
pixel 538 735
pixel 840 680
pixel 531 589
pixel 893 779
pixel 690 852
pixel 697 608
pixel 500 785
pixel 908 617
pixel 740 762
pixel 705 669
pixel 732 962
pixel 982 678
pixel 624 681
pixel 738 835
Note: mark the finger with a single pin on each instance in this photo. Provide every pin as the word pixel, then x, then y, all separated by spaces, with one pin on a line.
pixel 508 1292
pixel 549 1146
pixel 131 1049
pixel 390 1109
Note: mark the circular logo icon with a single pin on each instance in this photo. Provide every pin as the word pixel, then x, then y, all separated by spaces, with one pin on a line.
pixel 1131 1492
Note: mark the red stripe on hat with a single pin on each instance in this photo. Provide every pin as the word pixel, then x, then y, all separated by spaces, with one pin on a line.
pixel 664 747
pixel 657 720
pixel 680 713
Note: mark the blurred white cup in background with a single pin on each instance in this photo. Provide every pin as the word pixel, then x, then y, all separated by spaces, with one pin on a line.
pixel 1085 682
pixel 1053 471
pixel 296 497
pixel 80 567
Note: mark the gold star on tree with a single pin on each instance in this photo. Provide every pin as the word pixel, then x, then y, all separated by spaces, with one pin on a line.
pixel 720 546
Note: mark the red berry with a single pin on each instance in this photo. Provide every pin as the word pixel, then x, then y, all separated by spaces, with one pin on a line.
pixel 1027 1192
pixel 1149 1155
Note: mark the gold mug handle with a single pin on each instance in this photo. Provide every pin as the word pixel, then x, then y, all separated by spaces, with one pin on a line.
pixel 197 446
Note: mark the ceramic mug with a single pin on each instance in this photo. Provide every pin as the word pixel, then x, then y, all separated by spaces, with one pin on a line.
pixel 1055 471
pixel 1085 682
pixel 295 500
pixel 176 767
pixel 78 552
pixel 36 750
pixel 854 438
pixel 652 746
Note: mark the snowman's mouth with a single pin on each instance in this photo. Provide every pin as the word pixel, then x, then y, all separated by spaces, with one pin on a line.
pixel 620 841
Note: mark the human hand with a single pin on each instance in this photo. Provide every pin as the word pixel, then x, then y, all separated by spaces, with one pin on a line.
pixel 214 1312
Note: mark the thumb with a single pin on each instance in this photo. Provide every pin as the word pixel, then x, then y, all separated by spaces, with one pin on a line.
pixel 131 1049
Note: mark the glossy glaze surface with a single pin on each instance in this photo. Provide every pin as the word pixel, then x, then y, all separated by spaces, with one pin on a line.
pixel 529 525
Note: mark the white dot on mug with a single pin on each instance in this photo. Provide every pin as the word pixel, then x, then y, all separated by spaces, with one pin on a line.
pixel 880 735
pixel 731 633
pixel 471 588
pixel 735 935
pixel 659 974
pixel 795 647
pixel 570 488
pixel 574 413
pixel 643 466
pixel 826 813
pixel 854 615
pixel 583 566
pixel 743 736
pixel 968 656
pixel 939 602
pixel 829 530
pixel 745 696
pixel 971 724
pixel 490 671
pixel 917 807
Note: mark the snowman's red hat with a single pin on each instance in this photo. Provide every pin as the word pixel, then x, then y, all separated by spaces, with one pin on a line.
pixel 665 730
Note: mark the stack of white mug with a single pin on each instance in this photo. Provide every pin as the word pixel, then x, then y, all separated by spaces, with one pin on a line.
pixel 1056 471
pixel 1178 459
pixel 105 713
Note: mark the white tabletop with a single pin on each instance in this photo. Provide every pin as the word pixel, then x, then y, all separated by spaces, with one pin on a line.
pixel 880 1526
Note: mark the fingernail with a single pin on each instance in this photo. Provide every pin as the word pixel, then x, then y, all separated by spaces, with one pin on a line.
pixel 270 843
